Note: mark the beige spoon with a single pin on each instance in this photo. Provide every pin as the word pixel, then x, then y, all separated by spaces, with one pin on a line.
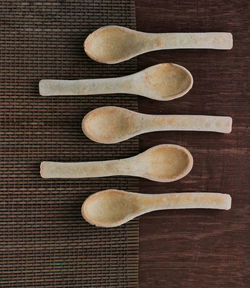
pixel 114 124
pixel 162 163
pixel 114 44
pixel 112 208
pixel 160 82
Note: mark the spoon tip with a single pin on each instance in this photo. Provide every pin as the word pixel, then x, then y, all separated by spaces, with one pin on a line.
pixel 87 48
pixel 191 81
pixel 190 163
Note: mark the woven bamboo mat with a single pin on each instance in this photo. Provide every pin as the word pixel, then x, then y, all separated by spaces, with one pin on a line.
pixel 44 240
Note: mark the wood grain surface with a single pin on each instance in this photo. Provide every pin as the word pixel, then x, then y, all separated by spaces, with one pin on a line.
pixel 201 248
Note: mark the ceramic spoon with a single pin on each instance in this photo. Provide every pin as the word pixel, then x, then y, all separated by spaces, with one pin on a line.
pixel 162 163
pixel 114 124
pixel 114 44
pixel 160 82
pixel 111 208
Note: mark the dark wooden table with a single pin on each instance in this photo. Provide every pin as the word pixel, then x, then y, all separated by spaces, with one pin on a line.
pixel 201 248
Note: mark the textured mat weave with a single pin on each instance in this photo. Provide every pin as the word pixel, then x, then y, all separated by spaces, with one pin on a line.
pixel 44 240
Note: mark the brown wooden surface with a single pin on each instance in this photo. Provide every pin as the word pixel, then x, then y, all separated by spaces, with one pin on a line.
pixel 201 248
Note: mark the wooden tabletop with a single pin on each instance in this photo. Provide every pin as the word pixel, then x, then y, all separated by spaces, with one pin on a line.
pixel 201 248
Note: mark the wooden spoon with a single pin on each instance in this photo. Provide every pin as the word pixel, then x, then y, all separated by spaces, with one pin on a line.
pixel 112 208
pixel 160 82
pixel 162 163
pixel 114 124
pixel 115 44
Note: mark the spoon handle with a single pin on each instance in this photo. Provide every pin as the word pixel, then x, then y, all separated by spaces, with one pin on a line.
pixel 187 200
pixel 220 124
pixel 49 169
pixel 208 40
pixel 49 87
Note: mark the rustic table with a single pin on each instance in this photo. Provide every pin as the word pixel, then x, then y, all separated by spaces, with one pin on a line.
pixel 201 248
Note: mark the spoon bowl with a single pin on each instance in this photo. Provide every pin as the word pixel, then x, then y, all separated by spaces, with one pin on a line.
pixel 162 163
pixel 112 124
pixel 112 208
pixel 114 44
pixel 162 82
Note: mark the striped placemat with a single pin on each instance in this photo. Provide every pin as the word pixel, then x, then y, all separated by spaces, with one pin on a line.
pixel 44 240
